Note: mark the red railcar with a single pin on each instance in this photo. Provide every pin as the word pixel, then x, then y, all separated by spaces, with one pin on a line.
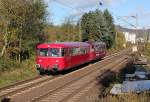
pixel 98 50
pixel 60 56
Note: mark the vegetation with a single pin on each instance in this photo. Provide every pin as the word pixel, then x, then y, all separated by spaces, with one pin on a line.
pixel 147 49
pixel 109 23
pixel 15 72
pixel 98 26
pixel 120 40
pixel 119 43
pixel 22 25
pixel 68 31
pixel 126 98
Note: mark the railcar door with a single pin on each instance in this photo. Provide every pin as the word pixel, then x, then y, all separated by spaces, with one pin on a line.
pixel 67 57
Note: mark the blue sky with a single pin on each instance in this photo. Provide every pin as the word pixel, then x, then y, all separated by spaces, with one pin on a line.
pixel 60 9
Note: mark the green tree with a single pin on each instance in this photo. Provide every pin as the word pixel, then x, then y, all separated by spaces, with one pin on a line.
pixel 120 40
pixel 69 30
pixel 147 49
pixel 98 26
pixel 23 23
pixel 93 25
pixel 109 24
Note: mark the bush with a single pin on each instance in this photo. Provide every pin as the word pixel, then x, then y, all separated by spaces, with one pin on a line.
pixel 7 64
pixel 147 49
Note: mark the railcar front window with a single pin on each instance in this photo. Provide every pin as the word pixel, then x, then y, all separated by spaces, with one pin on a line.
pixel 43 52
pixel 54 52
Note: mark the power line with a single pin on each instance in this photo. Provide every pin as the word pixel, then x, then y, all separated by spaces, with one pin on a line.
pixel 67 5
pixel 126 22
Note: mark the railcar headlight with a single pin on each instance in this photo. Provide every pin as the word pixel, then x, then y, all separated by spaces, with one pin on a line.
pixel 37 65
pixel 40 60
pixel 55 65
pixel 57 60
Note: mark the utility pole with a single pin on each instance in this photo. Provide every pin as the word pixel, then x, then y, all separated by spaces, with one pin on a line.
pixel 116 39
pixel 80 33
pixel 136 17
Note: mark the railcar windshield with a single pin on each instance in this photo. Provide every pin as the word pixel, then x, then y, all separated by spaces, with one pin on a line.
pixel 54 52
pixel 43 52
pixel 51 52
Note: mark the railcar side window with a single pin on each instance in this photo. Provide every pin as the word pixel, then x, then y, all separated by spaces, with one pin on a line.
pixel 73 51
pixel 79 51
pixel 83 51
pixel 54 52
pixel 43 52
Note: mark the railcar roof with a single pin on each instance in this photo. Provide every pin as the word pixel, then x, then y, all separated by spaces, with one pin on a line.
pixel 62 44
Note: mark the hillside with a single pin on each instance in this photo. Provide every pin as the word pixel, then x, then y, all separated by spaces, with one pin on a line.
pixel 140 32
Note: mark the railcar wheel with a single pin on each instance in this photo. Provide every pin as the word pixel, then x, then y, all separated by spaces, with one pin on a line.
pixel 42 72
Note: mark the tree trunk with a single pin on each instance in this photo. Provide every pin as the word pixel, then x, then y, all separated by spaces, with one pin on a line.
pixel 20 48
pixel 3 50
pixel 5 45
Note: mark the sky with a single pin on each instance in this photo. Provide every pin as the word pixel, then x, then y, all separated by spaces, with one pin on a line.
pixel 124 12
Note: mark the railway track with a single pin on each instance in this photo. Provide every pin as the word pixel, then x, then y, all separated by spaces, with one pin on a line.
pixel 29 91
pixel 70 89
pixel 23 85
pixel 20 82
pixel 81 95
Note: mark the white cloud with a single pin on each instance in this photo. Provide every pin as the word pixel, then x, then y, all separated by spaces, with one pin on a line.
pixel 110 2
pixel 80 6
pixel 77 13
pixel 143 15
pixel 83 4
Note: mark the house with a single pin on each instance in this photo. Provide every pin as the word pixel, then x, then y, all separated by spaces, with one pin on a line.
pixel 130 37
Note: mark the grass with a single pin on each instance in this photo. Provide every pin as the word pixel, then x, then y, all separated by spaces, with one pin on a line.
pixel 93 96
pixel 126 98
pixel 147 50
pixel 112 50
pixel 23 71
